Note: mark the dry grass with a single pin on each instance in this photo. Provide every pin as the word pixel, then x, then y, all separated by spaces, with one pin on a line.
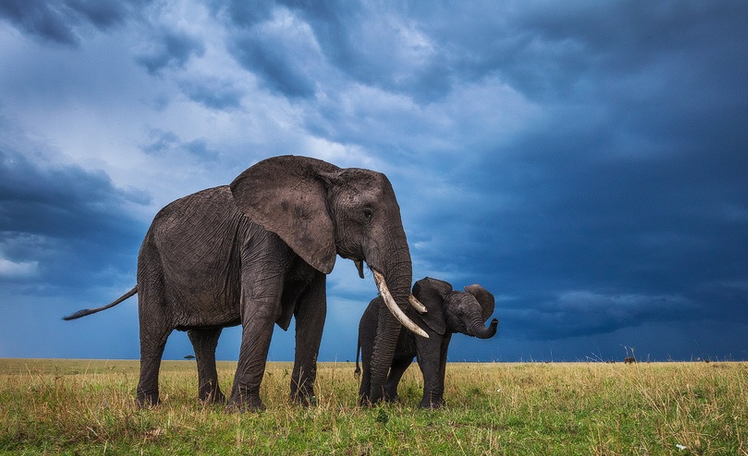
pixel 87 407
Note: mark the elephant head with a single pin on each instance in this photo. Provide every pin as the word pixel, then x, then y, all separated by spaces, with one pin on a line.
pixel 321 211
pixel 453 311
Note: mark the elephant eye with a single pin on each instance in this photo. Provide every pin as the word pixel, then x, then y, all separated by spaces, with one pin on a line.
pixel 367 213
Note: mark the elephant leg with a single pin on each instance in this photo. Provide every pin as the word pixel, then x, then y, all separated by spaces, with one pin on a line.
pixel 433 388
pixel 310 319
pixel 257 330
pixel 399 366
pixel 432 359
pixel 155 328
pixel 367 331
pixel 204 341
pixel 152 343
pixel 363 391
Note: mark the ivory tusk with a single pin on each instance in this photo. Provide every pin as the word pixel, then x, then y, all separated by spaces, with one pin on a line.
pixel 393 307
pixel 417 304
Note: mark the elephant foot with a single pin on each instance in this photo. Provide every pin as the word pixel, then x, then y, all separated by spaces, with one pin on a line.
pixel 304 395
pixel 431 404
pixel 368 401
pixel 211 395
pixel 247 402
pixel 304 400
pixel 147 399
pixel 391 396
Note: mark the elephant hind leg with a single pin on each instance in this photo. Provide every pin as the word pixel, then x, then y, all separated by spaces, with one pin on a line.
pixel 399 366
pixel 363 392
pixel 151 350
pixel 154 320
pixel 204 341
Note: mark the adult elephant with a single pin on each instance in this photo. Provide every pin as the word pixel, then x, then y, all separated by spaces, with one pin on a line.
pixel 448 312
pixel 256 252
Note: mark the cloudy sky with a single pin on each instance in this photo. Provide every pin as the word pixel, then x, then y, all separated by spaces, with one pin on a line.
pixel 587 162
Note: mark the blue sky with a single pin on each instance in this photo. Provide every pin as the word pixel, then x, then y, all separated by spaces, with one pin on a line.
pixel 586 162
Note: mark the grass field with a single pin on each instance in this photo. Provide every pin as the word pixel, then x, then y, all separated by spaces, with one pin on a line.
pixel 87 407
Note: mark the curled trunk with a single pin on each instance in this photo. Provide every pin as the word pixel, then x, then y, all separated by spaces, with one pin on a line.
pixel 483 332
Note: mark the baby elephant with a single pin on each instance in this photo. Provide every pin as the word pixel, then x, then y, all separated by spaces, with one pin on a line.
pixel 448 312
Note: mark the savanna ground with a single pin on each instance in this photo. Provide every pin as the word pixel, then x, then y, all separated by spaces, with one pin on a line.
pixel 87 407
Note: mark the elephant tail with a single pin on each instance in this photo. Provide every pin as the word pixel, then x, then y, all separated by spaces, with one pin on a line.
pixel 84 312
pixel 357 372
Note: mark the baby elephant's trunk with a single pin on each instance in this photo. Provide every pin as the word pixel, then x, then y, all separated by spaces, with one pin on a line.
pixel 484 332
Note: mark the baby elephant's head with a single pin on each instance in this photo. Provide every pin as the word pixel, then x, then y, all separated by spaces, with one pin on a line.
pixel 456 311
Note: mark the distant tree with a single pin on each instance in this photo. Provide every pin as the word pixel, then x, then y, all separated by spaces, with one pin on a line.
pixel 629 360
pixel 189 357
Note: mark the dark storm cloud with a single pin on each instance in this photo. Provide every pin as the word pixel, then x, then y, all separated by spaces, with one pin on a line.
pixel 164 143
pixel 280 52
pixel 214 94
pixel 563 218
pixel 72 223
pixel 564 223
pixel 244 14
pixel 614 40
pixel 277 61
pixel 379 46
pixel 169 48
pixel 274 40
pixel 627 203
pixel 60 21
pixel 580 50
pixel 161 142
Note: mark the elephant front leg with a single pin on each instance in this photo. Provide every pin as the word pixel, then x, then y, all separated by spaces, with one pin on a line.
pixel 310 315
pixel 204 341
pixel 257 330
pixel 432 359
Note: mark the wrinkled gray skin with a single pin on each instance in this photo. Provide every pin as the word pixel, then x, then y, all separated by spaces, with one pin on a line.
pixel 448 312
pixel 255 253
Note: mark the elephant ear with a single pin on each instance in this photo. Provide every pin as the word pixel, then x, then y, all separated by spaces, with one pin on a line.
pixel 431 293
pixel 484 298
pixel 286 195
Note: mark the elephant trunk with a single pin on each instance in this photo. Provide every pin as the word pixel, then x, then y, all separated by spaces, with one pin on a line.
pixel 394 268
pixel 477 329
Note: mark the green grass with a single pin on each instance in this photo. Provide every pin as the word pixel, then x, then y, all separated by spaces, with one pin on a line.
pixel 87 407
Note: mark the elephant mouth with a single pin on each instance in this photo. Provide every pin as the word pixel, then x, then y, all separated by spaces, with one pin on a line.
pixel 389 301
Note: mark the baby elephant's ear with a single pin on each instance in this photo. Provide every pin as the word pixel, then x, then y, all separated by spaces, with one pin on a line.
pixel 431 293
pixel 484 297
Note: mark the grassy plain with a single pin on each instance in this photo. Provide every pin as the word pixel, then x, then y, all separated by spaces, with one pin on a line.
pixel 87 407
